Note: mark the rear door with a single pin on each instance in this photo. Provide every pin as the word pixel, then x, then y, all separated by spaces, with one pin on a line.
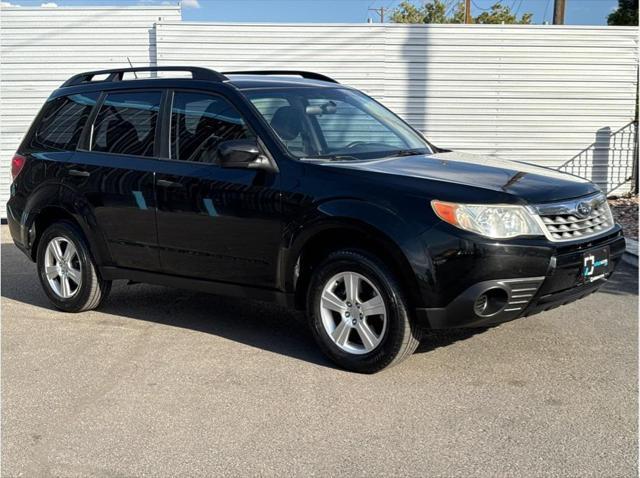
pixel 114 174
pixel 214 223
pixel 51 144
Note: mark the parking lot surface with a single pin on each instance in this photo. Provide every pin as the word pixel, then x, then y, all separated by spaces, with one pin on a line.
pixel 163 382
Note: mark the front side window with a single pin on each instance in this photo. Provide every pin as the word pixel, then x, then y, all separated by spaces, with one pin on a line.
pixel 62 121
pixel 268 106
pixel 200 122
pixel 126 123
pixel 335 123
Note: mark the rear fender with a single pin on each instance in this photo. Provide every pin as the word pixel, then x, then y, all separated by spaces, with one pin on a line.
pixel 60 200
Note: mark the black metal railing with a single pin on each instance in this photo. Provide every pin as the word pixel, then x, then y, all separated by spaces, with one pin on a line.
pixel 611 161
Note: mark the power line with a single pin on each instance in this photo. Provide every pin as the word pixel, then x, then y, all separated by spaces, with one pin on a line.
pixel 392 2
pixel 480 8
pixel 450 6
pixel 380 11
pixel 544 16
pixel 518 9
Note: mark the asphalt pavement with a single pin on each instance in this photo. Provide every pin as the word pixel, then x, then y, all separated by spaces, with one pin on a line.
pixel 163 382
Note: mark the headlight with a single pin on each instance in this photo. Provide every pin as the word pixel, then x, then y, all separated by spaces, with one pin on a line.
pixel 495 221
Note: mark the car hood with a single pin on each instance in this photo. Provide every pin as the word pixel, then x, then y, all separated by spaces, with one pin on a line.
pixel 534 184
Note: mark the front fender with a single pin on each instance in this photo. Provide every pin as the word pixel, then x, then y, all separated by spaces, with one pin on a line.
pixel 382 225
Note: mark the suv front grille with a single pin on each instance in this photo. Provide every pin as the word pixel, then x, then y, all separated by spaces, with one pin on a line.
pixel 577 219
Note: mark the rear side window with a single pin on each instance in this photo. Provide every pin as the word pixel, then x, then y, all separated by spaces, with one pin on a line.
pixel 126 123
pixel 200 122
pixel 62 121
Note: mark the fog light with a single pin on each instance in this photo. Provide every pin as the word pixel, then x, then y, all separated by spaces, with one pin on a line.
pixel 490 302
pixel 481 304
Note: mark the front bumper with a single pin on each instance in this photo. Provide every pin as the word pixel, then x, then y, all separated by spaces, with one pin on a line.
pixel 558 284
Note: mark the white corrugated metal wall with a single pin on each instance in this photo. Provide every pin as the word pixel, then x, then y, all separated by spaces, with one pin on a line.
pixel 42 47
pixel 559 96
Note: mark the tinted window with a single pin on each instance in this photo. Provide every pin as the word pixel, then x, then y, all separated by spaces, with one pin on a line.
pixel 62 120
pixel 200 122
pixel 335 123
pixel 126 123
pixel 268 106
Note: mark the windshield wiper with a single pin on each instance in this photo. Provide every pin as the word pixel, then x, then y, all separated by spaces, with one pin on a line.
pixel 341 157
pixel 405 152
pixel 338 157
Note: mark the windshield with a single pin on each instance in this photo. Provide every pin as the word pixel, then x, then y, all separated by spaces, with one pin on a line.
pixel 335 123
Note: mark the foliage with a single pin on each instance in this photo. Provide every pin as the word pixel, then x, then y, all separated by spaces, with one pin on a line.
pixel 440 11
pixel 626 14
pixel 430 12
pixel 500 13
pixel 408 13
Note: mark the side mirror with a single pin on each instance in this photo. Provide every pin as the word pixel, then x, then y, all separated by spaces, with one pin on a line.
pixel 242 154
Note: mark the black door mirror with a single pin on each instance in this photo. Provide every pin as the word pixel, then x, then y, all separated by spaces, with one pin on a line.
pixel 242 154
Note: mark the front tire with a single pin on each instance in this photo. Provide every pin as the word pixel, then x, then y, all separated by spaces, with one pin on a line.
pixel 67 271
pixel 358 313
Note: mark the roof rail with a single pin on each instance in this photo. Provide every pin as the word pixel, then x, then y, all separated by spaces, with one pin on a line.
pixel 116 74
pixel 304 74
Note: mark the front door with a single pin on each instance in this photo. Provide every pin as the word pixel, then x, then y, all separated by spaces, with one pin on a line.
pixel 214 223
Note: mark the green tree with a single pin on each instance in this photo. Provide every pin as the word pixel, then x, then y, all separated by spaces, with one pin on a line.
pixel 440 11
pixel 433 12
pixel 500 13
pixel 458 14
pixel 429 12
pixel 407 12
pixel 626 14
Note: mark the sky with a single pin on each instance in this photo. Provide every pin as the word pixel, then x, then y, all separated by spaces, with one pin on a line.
pixel 578 12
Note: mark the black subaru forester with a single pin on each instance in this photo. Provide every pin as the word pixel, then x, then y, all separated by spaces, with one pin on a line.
pixel 289 187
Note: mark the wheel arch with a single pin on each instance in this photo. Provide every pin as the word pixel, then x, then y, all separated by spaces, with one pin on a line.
pixel 44 218
pixel 338 234
pixel 46 209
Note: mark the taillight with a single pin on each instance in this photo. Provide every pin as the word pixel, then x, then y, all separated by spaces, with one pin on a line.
pixel 17 163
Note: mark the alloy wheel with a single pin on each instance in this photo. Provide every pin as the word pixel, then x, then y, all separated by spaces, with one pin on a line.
pixel 62 267
pixel 353 313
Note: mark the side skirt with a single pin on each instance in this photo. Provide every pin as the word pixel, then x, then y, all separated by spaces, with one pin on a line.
pixel 218 288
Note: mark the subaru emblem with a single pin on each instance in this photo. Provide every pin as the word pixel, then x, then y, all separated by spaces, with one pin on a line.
pixel 583 209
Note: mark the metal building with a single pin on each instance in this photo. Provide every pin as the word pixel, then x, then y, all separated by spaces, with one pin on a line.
pixel 42 47
pixel 558 96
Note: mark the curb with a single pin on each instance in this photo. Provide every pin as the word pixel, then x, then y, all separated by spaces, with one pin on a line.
pixel 630 256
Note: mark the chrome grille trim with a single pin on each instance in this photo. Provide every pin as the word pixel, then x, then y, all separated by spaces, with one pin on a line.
pixel 579 218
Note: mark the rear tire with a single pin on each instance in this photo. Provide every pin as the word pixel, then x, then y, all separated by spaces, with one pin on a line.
pixel 67 271
pixel 358 313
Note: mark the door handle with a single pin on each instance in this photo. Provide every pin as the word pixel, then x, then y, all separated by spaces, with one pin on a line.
pixel 164 183
pixel 79 173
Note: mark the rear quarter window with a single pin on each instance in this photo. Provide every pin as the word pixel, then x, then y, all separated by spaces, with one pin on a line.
pixel 61 122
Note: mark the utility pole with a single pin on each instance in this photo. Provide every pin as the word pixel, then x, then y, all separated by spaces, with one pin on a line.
pixel 467 11
pixel 380 11
pixel 558 12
